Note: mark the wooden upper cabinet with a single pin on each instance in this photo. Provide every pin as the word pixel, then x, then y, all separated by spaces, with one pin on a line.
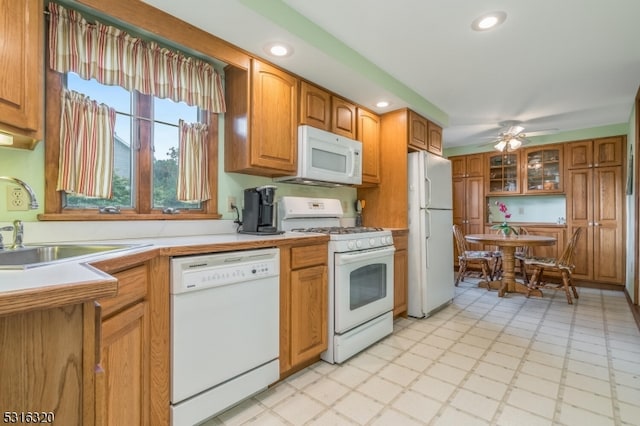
pixel 343 120
pixel 319 108
pixel 22 85
pixel 369 134
pixel 424 135
pixel 266 145
pixel 315 106
pixel 434 143
pixel 543 170
pixel 502 173
pixel 418 132
pixel 601 152
pixel 467 165
pixel 458 166
pixel 608 151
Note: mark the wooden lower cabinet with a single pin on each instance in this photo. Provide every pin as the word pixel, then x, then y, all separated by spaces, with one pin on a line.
pixel 122 373
pixel 595 203
pixel 308 313
pixel 41 365
pixel 303 306
pixel 122 380
pixel 400 272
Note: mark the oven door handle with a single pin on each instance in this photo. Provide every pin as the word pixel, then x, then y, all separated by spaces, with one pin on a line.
pixel 345 258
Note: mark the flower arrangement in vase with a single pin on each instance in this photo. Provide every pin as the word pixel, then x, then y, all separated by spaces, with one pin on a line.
pixel 504 227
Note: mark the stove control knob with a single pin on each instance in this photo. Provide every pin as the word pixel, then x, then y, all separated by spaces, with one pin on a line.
pixel 351 245
pixel 358 243
pixel 372 242
pixel 389 240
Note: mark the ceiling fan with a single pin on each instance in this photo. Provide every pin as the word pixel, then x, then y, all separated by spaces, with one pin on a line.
pixel 510 139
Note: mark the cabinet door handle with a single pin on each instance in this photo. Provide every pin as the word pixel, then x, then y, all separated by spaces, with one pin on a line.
pixel 596 224
pixel 590 223
pixel 98 332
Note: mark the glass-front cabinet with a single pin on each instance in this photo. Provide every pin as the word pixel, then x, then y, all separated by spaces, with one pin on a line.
pixel 503 174
pixel 543 170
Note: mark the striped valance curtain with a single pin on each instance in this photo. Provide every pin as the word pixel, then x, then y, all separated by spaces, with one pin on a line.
pixel 193 165
pixel 113 57
pixel 86 146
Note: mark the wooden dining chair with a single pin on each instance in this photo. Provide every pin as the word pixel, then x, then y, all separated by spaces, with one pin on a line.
pixel 484 258
pixel 563 264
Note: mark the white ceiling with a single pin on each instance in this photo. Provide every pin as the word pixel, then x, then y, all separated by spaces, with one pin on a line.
pixel 560 65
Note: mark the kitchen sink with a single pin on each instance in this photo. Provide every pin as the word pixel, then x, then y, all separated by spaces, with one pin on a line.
pixel 40 255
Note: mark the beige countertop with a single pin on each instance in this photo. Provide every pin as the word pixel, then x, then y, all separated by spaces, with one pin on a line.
pixel 76 281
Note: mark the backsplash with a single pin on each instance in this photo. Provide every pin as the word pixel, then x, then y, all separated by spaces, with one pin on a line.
pixel 538 209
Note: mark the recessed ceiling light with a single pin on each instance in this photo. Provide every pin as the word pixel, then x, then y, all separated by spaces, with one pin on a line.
pixel 382 104
pixel 488 21
pixel 278 49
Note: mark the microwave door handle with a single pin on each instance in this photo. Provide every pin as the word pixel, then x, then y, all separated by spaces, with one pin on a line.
pixel 353 161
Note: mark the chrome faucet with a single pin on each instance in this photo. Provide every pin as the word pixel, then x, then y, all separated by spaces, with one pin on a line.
pixel 4 228
pixel 18 234
pixel 32 195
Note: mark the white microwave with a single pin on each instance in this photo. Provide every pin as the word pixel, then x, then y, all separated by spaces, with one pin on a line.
pixel 326 159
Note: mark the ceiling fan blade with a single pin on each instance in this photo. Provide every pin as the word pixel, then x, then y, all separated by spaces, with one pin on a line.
pixel 515 130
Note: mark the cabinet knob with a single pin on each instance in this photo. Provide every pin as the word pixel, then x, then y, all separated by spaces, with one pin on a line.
pixel 590 224
pixel 596 224
pixel 595 165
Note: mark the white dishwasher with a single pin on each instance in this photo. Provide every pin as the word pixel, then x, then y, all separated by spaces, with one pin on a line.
pixel 224 330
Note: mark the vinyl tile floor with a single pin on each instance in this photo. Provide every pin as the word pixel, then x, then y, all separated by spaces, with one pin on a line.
pixel 483 360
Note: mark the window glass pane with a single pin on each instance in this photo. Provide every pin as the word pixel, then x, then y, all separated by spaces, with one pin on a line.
pixel 167 114
pixel 120 99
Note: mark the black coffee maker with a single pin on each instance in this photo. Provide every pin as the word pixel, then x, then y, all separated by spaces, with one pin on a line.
pixel 258 214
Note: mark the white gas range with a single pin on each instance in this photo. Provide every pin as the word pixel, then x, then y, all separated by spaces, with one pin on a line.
pixel 360 274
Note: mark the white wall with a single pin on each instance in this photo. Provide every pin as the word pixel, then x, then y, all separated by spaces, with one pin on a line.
pixel 631 213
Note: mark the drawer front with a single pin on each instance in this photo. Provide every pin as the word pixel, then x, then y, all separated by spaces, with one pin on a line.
pixel 302 257
pixel 132 286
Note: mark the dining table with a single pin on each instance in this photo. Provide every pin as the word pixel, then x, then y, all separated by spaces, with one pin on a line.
pixel 508 245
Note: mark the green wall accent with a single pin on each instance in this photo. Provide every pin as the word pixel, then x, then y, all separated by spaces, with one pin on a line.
pixel 29 167
pixel 286 17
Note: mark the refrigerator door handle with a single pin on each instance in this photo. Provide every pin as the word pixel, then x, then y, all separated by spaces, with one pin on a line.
pixel 427 223
pixel 428 188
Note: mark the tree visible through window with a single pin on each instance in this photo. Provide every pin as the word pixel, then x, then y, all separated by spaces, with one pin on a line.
pixel 162 142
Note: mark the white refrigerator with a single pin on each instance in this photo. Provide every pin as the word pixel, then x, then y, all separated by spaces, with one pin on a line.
pixel 431 280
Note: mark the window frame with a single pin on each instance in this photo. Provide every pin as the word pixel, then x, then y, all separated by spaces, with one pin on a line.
pixel 54 209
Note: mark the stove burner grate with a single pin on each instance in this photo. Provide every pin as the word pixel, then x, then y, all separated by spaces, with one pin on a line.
pixel 340 230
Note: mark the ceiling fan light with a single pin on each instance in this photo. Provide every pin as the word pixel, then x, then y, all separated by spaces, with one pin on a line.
pixel 515 143
pixel 500 146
